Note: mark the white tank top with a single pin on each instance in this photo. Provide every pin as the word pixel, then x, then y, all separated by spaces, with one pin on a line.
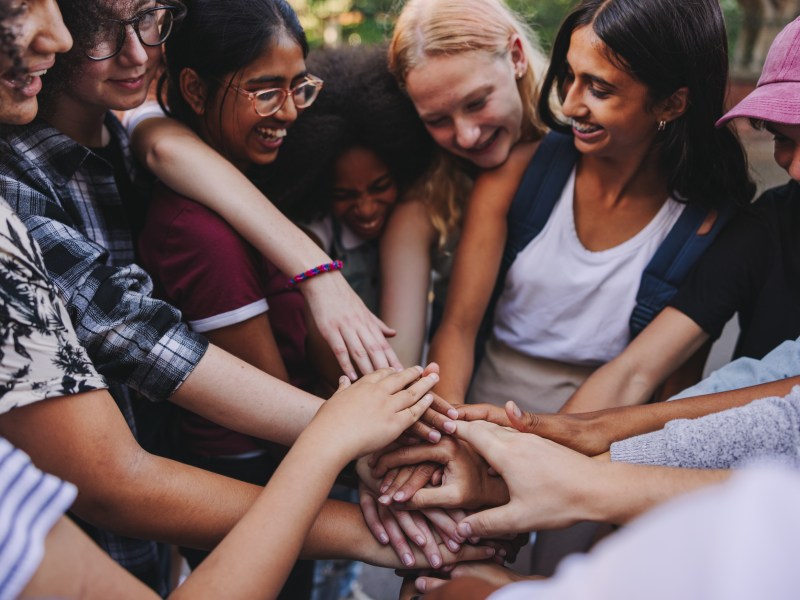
pixel 566 303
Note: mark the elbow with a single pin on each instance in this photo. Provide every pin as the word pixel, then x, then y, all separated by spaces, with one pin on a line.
pixel 113 485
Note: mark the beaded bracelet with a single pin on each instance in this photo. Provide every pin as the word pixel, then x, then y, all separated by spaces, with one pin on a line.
pixel 300 277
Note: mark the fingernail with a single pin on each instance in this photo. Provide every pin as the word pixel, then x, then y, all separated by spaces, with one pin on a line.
pixel 385 499
pixel 420 540
pixel 352 375
pixel 383 538
pixel 384 487
pixel 419 369
pixel 502 552
pixel 399 496
pixel 453 545
pixel 517 411
pixel 408 560
pixel 434 436
pixel 465 529
pixel 489 551
pixel 449 427
pixel 420 584
pixel 452 413
pixel 436 561
pixel 433 376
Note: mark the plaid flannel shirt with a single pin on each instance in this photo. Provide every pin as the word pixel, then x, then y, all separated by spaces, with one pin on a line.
pixel 67 197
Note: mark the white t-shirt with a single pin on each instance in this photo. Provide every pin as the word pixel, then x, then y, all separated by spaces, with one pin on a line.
pixel 566 303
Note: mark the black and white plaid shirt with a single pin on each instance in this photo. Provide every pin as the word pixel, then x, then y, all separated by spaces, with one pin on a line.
pixel 68 198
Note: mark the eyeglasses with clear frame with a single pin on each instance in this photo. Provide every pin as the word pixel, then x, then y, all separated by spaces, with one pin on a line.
pixel 152 27
pixel 267 102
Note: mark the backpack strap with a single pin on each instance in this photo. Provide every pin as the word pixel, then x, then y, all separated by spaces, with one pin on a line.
pixel 539 190
pixel 672 262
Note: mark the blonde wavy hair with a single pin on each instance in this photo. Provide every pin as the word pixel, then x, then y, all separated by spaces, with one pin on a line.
pixel 435 28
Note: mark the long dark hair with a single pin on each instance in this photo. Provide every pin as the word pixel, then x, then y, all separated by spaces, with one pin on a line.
pixel 220 37
pixel 666 45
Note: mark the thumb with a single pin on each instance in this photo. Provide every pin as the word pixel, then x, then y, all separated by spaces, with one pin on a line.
pixel 344 383
pixel 515 416
pixel 486 438
pixel 489 523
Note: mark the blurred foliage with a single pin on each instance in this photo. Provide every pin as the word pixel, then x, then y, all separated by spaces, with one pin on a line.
pixel 370 21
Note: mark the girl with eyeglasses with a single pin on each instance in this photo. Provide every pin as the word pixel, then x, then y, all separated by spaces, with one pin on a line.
pixel 242 99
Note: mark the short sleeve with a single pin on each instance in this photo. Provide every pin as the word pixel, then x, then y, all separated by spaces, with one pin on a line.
pixel 31 502
pixel 40 355
pixel 727 275
pixel 202 265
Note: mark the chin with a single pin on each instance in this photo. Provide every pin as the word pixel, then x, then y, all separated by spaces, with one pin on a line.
pixel 20 114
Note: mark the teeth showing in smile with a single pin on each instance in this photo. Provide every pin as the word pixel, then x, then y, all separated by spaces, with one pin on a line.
pixel 585 128
pixel 23 80
pixel 271 134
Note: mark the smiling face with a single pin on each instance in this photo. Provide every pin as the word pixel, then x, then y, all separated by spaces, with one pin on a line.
pixel 609 109
pixel 231 124
pixel 787 147
pixel 364 192
pixel 39 35
pixel 470 103
pixel 120 82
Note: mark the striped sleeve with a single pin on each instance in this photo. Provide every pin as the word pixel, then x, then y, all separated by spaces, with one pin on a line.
pixel 30 504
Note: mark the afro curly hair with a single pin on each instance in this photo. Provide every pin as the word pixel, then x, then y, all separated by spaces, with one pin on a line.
pixel 360 105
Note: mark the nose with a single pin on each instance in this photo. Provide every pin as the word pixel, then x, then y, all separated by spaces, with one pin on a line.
pixel 288 111
pixel 368 206
pixel 133 51
pixel 572 106
pixel 466 132
pixel 50 35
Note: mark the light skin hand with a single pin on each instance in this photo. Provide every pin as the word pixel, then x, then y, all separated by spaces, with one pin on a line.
pixel 374 410
pixel 545 481
pixel 466 482
pixel 352 331
pixel 438 419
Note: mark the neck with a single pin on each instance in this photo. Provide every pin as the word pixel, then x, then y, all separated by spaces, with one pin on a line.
pixel 617 179
pixel 203 132
pixel 84 124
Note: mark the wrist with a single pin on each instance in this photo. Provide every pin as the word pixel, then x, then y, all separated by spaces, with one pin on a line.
pixel 315 272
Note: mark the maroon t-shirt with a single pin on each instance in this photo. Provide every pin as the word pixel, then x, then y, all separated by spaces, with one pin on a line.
pixel 204 268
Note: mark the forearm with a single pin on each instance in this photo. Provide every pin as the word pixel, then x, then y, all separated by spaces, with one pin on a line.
pixel 192 168
pixel 621 492
pixel 623 423
pixel 236 395
pixel 633 376
pixel 258 554
pixel 452 349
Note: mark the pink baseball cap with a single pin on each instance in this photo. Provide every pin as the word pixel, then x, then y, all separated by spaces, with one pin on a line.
pixel 777 94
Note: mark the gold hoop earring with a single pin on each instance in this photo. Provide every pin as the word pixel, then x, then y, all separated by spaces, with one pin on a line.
pixel 662 125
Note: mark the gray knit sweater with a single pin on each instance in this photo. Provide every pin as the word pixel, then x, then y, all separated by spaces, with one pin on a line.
pixel 763 428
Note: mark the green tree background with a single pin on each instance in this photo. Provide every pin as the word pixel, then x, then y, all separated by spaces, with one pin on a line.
pixel 370 21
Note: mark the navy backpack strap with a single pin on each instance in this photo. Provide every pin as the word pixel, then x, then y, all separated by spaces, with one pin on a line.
pixel 671 264
pixel 539 190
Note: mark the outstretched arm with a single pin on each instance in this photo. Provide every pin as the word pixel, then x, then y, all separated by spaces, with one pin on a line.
pixel 633 376
pixel 593 433
pixel 552 486
pixel 405 277
pixel 190 167
pixel 475 269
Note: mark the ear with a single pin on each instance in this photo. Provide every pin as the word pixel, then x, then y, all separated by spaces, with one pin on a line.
pixel 518 59
pixel 673 107
pixel 193 90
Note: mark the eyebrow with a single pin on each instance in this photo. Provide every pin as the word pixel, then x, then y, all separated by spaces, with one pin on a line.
pixel 591 78
pixel 273 79
pixel 484 89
